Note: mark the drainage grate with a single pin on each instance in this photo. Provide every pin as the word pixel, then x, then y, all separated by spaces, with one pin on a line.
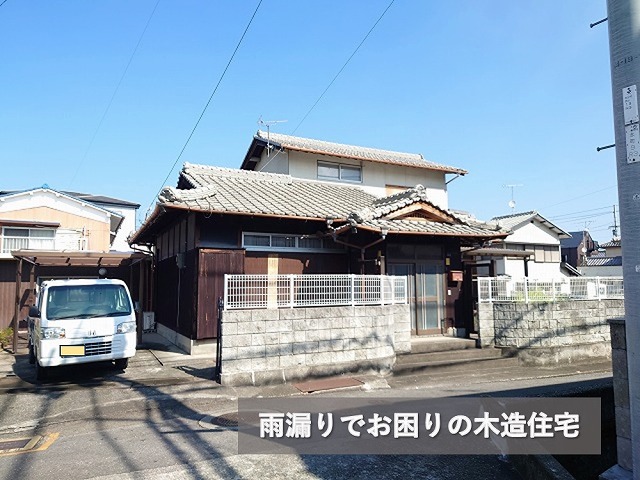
pixel 13 444
pixel 226 420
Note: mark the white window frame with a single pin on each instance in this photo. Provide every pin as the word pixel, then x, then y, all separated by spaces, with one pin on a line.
pixel 28 238
pixel 340 167
pixel 547 253
pixel 327 246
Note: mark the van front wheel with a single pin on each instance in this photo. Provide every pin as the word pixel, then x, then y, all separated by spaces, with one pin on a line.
pixel 121 363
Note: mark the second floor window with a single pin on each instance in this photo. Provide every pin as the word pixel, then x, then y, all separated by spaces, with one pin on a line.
pixel 340 172
pixel 27 239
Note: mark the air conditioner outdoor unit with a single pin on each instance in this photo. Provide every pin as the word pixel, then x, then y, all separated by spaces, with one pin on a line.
pixel 148 321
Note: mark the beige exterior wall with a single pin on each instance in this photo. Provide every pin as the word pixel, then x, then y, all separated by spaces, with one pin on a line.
pixel 96 232
pixel 375 175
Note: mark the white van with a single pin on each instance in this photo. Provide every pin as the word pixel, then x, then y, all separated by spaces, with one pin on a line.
pixel 81 321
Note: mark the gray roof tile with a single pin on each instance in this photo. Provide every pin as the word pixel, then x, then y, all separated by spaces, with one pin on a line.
pixel 604 261
pixel 224 190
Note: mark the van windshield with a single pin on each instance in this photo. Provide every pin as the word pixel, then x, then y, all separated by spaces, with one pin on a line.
pixel 87 301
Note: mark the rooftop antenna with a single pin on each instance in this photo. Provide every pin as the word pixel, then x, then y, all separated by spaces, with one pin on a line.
pixel 267 124
pixel 512 202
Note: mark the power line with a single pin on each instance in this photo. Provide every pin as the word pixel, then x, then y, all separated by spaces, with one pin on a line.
pixel 208 102
pixel 581 196
pixel 608 207
pixel 5 1
pixel 343 67
pixel 113 95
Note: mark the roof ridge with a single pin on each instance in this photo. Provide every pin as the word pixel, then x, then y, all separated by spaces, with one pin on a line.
pixel 513 215
pixel 263 135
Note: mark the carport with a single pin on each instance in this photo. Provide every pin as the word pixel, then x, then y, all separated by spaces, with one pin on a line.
pixel 133 268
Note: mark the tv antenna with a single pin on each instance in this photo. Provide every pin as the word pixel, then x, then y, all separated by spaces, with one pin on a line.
pixel 512 202
pixel 267 124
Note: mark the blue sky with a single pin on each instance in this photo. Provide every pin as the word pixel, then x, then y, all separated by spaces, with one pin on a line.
pixel 514 92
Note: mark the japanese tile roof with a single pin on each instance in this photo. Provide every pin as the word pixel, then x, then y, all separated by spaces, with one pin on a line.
pixel 322 147
pixel 232 191
pixel 432 228
pixel 242 191
pixel 604 261
pixel 513 221
pixel 611 244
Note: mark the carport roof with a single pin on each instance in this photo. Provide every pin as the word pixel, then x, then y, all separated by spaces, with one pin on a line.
pixel 55 258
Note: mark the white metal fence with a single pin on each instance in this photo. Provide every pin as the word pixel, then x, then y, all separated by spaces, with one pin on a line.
pixel 505 289
pixel 289 291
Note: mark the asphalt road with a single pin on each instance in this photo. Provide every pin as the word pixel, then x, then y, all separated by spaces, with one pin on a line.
pixel 148 423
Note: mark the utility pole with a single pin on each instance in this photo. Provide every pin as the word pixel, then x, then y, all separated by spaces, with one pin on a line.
pixel 614 227
pixel 624 50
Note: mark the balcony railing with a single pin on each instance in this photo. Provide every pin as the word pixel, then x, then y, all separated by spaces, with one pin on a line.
pixel 60 242
pixel 290 291
pixel 10 244
pixel 505 289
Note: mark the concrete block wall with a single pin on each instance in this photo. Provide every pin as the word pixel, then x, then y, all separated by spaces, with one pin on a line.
pixel 549 332
pixel 275 346
pixel 621 392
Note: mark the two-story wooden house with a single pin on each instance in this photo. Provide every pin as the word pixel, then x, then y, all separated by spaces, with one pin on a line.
pixel 305 206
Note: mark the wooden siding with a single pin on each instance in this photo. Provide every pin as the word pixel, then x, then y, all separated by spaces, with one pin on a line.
pixel 175 305
pixel 213 264
pixel 98 232
pixel 178 238
pixel 296 263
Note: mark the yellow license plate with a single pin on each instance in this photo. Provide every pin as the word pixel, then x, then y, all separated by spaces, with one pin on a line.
pixel 72 350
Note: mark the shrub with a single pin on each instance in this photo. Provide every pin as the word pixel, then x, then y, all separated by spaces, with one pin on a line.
pixel 6 337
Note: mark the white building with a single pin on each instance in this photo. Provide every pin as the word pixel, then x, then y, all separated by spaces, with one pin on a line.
pixel 531 233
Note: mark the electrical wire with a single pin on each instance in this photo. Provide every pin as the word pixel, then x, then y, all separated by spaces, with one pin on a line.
pixel 207 104
pixel 343 67
pixel 576 198
pixel 5 1
pixel 113 95
pixel 608 208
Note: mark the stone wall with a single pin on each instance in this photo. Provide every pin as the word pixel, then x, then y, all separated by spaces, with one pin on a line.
pixel 275 346
pixel 549 332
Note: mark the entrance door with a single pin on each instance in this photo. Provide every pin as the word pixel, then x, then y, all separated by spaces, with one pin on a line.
pixel 429 298
pixel 424 291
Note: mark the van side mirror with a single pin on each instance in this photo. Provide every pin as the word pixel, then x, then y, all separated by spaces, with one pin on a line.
pixel 34 312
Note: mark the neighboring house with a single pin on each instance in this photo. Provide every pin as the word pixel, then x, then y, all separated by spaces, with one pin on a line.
pixel 378 172
pixel 532 247
pixel 220 221
pixel 612 248
pixel 576 249
pixel 127 210
pixel 62 234
pixel 607 265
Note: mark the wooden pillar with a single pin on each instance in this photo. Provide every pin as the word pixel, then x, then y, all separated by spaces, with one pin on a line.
pixel 141 298
pixel 32 283
pixel 16 319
